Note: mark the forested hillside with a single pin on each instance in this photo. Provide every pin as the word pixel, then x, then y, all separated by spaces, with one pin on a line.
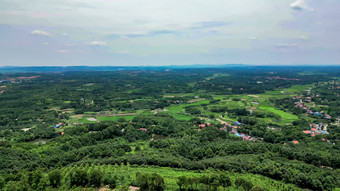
pixel 237 128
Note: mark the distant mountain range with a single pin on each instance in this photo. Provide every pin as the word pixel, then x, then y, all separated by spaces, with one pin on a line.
pixel 16 69
pixel 11 69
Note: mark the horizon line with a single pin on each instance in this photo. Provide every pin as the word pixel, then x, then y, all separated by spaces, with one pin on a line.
pixel 196 65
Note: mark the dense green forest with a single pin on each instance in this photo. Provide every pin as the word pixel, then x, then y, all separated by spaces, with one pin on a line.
pixel 235 128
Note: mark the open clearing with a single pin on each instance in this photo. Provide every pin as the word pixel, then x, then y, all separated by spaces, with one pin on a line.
pixel 92 119
pixel 261 101
pixel 285 116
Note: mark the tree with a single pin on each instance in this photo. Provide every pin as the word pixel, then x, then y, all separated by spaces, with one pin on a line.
pixel 79 177
pixel 257 188
pixel 110 179
pixel 181 181
pixel 43 184
pixel 34 178
pixel 150 182
pixel 2 183
pixel 121 120
pixel 209 153
pixel 142 180
pixel 246 185
pixel 204 180
pixel 190 182
pixel 225 180
pixel 214 182
pixel 13 185
pixel 137 148
pixel 54 178
pixel 157 182
pixel 95 177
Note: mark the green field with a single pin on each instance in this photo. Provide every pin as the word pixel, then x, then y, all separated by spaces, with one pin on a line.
pixel 115 118
pixel 285 116
pixel 178 111
pixel 217 75
pixel 299 88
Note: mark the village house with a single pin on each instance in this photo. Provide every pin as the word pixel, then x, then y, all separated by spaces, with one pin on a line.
pixel 308 111
pixel 298 97
pixel 204 125
pixel 58 125
pixel 317 113
pixel 247 138
pixel 237 123
pixel 315 129
pixel 5 82
pixel 223 128
pixel 328 116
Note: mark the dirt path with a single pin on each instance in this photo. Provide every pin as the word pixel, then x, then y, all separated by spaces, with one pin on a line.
pixel 225 120
pixel 222 122
pixel 196 100
pixel 325 127
pixel 103 115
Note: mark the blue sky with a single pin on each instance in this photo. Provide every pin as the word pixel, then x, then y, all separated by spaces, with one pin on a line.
pixel 169 32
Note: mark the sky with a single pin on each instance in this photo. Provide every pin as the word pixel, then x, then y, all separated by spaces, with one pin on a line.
pixel 169 32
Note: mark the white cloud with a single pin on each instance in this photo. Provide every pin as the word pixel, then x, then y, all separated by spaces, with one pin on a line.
pixel 141 17
pixel 271 22
pixel 45 43
pixel 300 5
pixel 98 43
pixel 40 33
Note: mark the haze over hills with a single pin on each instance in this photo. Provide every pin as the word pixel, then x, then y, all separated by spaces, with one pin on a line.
pixel 13 69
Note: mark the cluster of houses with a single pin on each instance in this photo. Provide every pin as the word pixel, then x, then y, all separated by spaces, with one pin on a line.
pixel 16 79
pixel 204 125
pixel 300 105
pixel 233 130
pixel 280 78
pixel 293 142
pixel 58 125
pixel 315 129
pixel 5 82
pixel 143 129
